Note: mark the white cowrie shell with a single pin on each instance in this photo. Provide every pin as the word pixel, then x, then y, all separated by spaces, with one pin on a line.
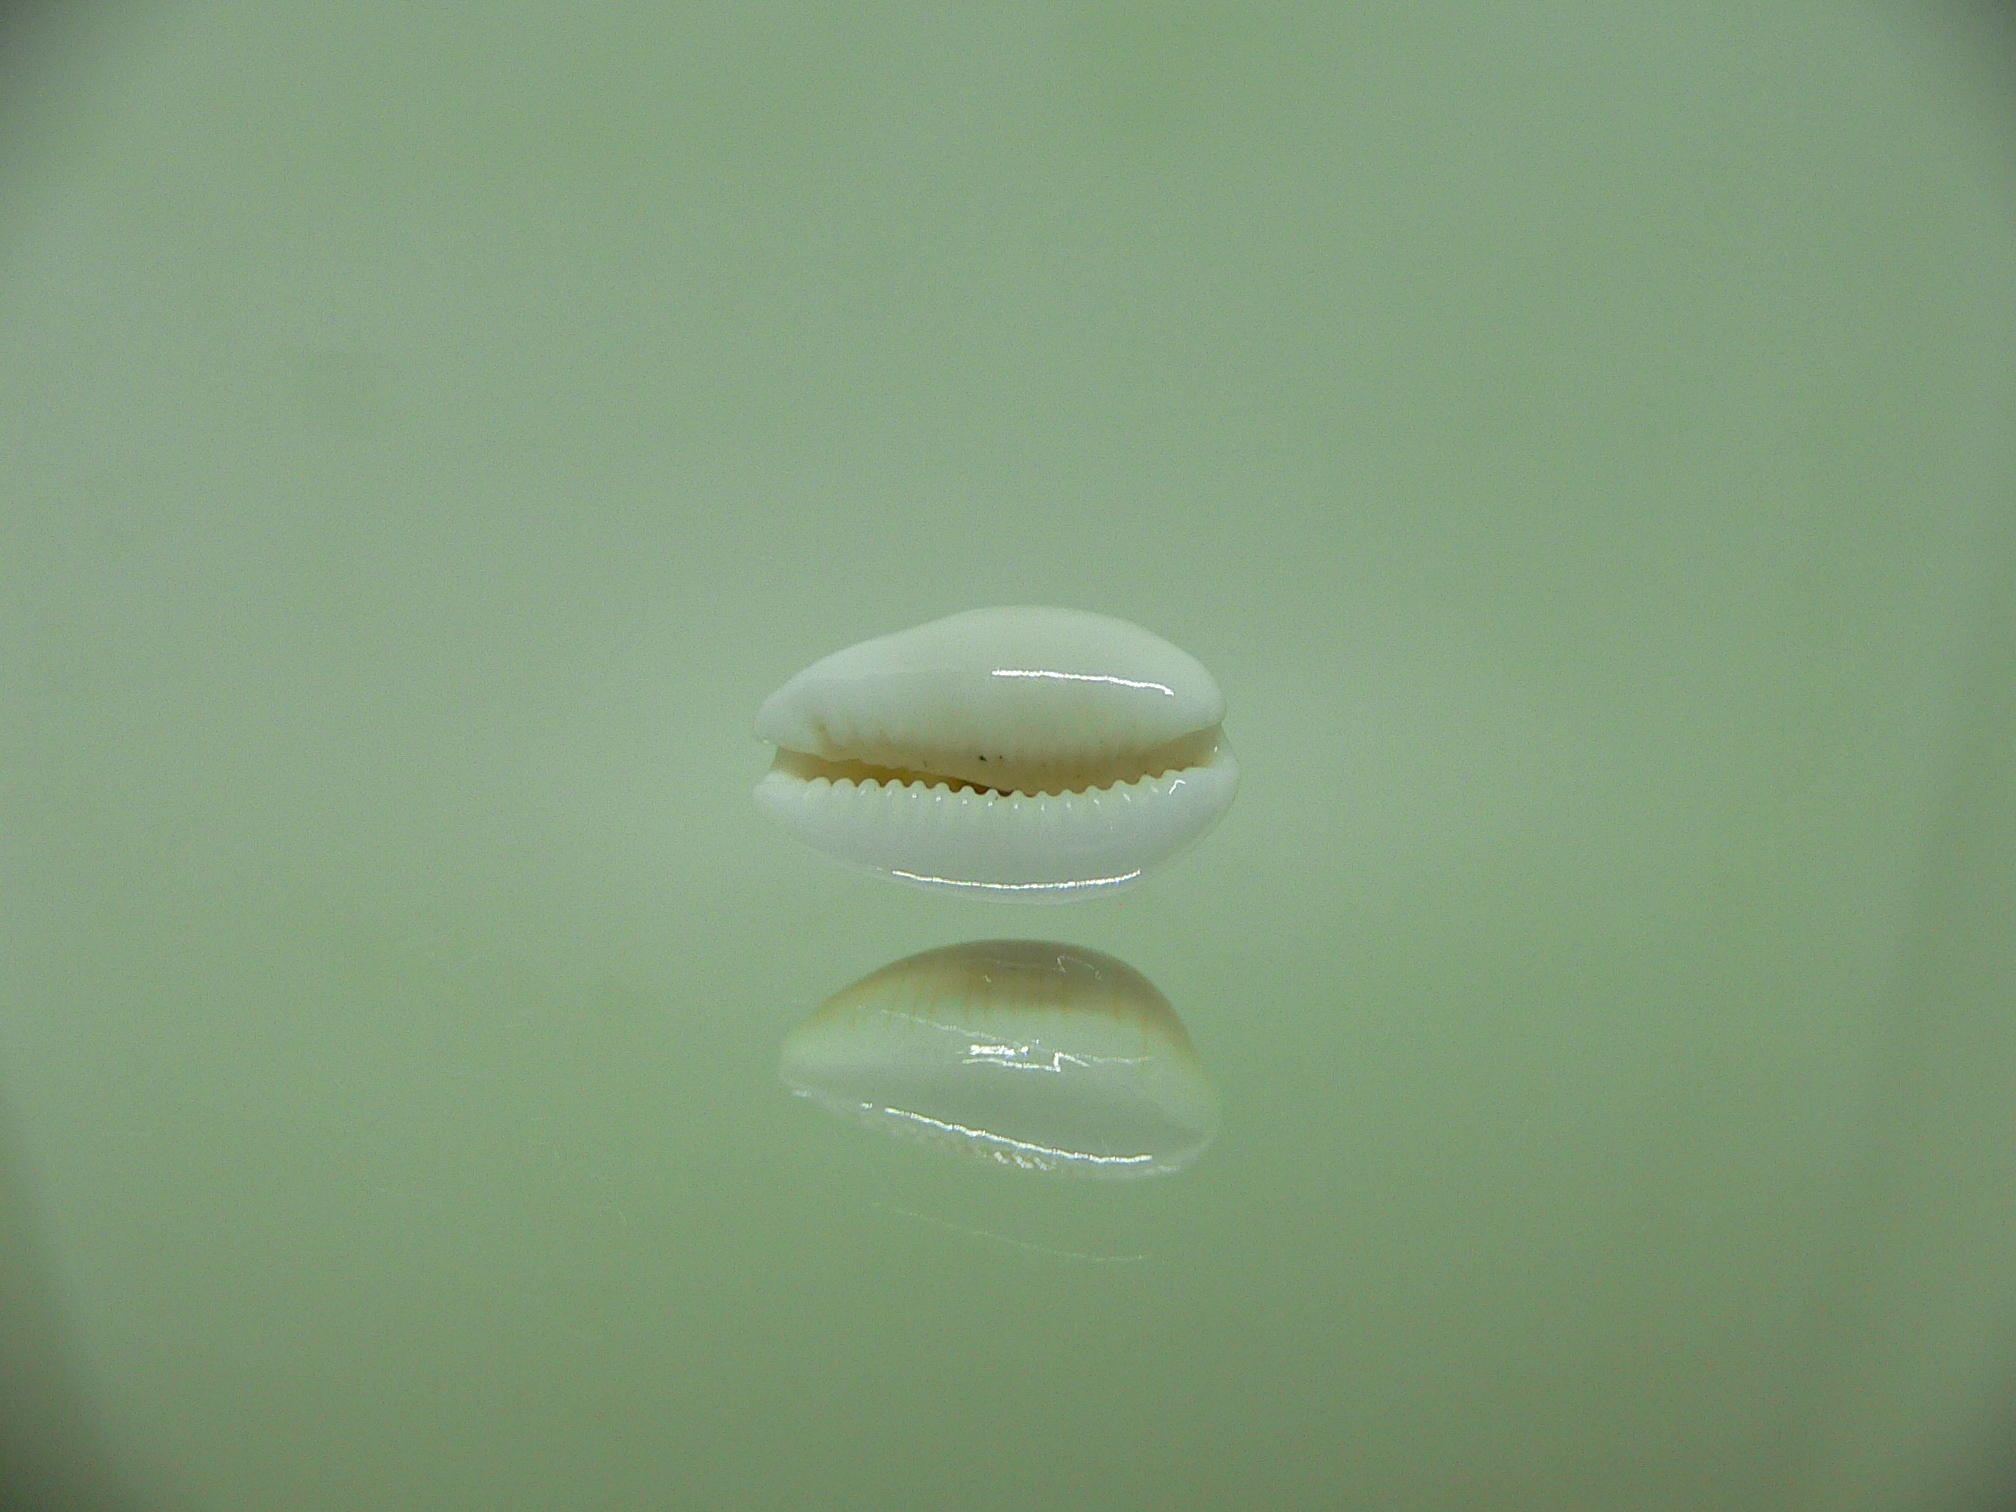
pixel 1019 753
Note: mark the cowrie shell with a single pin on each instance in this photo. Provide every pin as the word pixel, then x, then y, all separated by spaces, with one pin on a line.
pixel 1019 753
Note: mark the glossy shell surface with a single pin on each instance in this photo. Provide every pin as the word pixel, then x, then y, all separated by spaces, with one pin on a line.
pixel 1022 753
pixel 1038 1056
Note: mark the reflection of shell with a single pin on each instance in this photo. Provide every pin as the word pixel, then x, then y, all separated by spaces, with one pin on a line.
pixel 1037 754
pixel 1045 1057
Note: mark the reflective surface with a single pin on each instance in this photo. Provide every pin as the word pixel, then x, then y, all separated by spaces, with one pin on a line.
pixel 1027 1053
pixel 1577 441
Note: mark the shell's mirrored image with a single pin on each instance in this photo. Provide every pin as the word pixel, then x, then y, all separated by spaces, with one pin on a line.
pixel 1030 754
pixel 1039 1056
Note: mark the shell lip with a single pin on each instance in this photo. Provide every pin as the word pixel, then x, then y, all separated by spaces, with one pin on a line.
pixel 1087 773
pixel 1013 847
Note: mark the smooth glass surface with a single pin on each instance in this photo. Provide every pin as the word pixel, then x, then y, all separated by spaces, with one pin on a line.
pixel 1577 441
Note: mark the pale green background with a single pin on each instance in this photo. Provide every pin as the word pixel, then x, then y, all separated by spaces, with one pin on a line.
pixel 1576 438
